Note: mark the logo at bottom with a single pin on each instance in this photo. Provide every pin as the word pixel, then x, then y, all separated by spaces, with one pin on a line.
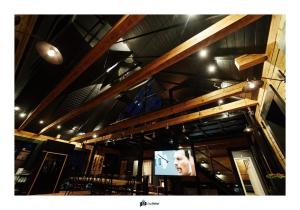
pixel 144 203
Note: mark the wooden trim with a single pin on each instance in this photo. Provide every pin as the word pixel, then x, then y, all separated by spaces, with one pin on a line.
pixel 34 136
pixel 246 61
pixel 187 105
pixel 126 23
pixel 212 34
pixel 179 120
pixel 276 58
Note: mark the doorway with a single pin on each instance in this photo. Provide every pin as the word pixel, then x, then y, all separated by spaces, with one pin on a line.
pixel 248 173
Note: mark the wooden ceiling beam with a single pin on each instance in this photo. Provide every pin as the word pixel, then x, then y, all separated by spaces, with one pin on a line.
pixel 241 104
pixel 22 34
pixel 35 136
pixel 212 34
pixel 187 105
pixel 126 23
pixel 246 61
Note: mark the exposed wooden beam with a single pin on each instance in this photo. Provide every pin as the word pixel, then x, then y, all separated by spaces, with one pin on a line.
pixel 208 36
pixel 34 136
pixel 126 23
pixel 22 34
pixel 246 61
pixel 179 120
pixel 187 105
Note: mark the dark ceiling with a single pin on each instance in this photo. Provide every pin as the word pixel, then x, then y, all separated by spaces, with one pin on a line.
pixel 75 35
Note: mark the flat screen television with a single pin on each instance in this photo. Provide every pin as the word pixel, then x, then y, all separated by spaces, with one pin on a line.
pixel 273 112
pixel 174 163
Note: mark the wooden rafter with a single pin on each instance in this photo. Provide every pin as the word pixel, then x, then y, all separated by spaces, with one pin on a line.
pixel 203 39
pixel 22 34
pixel 187 105
pixel 179 120
pixel 246 61
pixel 35 136
pixel 126 23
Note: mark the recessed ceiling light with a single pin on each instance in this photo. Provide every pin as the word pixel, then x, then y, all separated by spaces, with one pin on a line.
pixel 22 115
pixel 252 85
pixel 58 136
pixel 220 101
pixel 41 122
pixel 58 127
pixel 17 108
pixel 211 68
pixel 203 53
pixel 248 129
pixel 95 136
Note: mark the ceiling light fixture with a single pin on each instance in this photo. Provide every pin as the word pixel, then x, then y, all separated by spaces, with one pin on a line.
pixel 248 129
pixel 252 85
pixel 41 122
pixel 49 52
pixel 203 53
pixel 220 101
pixel 17 108
pixel 183 129
pixel 95 136
pixel 58 127
pixel 22 115
pixel 211 68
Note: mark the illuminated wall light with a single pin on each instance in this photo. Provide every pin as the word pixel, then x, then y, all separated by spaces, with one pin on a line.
pixel 22 115
pixel 17 108
pixel 211 68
